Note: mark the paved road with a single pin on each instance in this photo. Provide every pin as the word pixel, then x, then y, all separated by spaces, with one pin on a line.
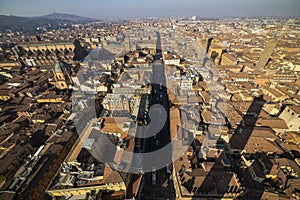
pixel 161 189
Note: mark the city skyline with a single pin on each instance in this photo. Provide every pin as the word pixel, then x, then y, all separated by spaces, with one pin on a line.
pixel 116 9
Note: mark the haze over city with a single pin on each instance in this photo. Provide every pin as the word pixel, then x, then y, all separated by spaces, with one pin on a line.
pixel 112 9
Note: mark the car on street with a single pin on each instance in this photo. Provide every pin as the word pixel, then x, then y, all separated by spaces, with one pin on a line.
pixel 153 176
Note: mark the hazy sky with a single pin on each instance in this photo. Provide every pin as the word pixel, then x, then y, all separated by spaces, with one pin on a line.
pixel 103 9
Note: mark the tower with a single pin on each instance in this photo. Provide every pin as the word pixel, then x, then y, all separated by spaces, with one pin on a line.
pixel 62 75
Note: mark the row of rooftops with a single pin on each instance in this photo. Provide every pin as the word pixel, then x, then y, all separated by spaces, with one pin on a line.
pixel 34 114
pixel 245 90
pixel 248 130
pixel 112 127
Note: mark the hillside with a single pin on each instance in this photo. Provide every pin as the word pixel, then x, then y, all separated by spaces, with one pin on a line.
pixel 36 24
pixel 29 24
pixel 69 17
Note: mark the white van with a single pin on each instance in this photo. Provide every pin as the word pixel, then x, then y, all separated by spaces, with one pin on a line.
pixel 153 176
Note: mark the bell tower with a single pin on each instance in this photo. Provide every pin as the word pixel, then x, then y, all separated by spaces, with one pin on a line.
pixel 62 75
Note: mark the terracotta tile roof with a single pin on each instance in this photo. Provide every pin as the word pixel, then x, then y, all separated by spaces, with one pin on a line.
pixel 276 123
pixel 296 109
pixel 205 96
pixel 206 115
pixel 115 125
pixel 254 140
pixel 260 144
pixel 111 175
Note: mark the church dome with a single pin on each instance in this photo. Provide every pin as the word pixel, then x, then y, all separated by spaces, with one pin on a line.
pixel 61 67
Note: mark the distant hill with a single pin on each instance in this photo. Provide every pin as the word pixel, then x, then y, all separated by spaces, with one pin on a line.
pixel 69 17
pixel 36 24
pixel 29 24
